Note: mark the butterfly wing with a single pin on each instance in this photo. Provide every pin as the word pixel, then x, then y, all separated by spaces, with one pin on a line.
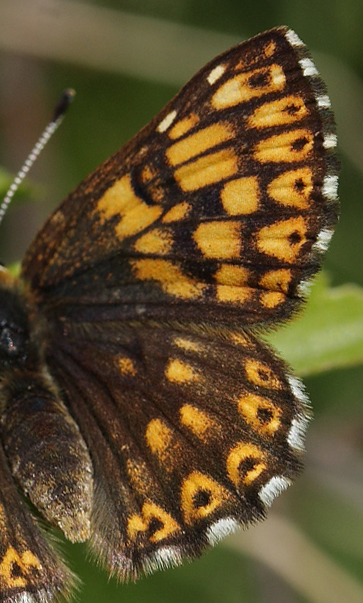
pixel 190 436
pixel 149 277
pixel 216 211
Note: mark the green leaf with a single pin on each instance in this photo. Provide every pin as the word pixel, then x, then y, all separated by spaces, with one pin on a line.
pixel 329 333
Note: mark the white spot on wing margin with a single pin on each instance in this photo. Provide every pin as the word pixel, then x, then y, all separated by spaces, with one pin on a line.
pixel 215 74
pixel 323 101
pixel 330 187
pixel 297 389
pixel 166 122
pixel 220 529
pixel 330 141
pixel 304 288
pixel 164 558
pixel 296 436
pixel 293 38
pixel 273 488
pixel 323 239
pixel 308 67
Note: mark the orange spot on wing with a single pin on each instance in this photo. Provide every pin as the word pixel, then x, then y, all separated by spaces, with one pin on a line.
pixel 177 212
pixel 183 126
pixel 199 484
pixel 241 196
pixel 283 111
pixel 292 188
pixel 260 374
pixel 248 85
pixel 121 201
pixel 284 239
pixel 287 147
pixel 207 170
pixel 199 142
pixel 260 413
pixel 219 239
pixel 171 278
pixel 157 241
pixel 240 454
pixel 178 371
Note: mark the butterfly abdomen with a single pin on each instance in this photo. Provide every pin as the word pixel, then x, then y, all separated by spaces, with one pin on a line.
pixel 43 444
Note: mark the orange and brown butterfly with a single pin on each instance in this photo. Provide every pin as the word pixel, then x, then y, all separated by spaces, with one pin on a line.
pixel 140 411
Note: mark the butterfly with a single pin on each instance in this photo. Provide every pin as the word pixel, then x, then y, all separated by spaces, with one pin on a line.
pixel 140 409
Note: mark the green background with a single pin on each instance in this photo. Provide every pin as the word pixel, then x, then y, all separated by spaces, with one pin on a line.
pixel 311 547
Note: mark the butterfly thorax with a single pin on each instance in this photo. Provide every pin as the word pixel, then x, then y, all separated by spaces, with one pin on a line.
pixel 43 444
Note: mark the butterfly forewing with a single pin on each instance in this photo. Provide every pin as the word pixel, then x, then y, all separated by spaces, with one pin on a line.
pixel 148 283
pixel 226 199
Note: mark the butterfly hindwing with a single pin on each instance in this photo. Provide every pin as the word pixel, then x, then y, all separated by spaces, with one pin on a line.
pixel 183 449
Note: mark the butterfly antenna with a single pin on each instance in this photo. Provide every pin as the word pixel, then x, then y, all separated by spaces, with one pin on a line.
pixel 57 118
